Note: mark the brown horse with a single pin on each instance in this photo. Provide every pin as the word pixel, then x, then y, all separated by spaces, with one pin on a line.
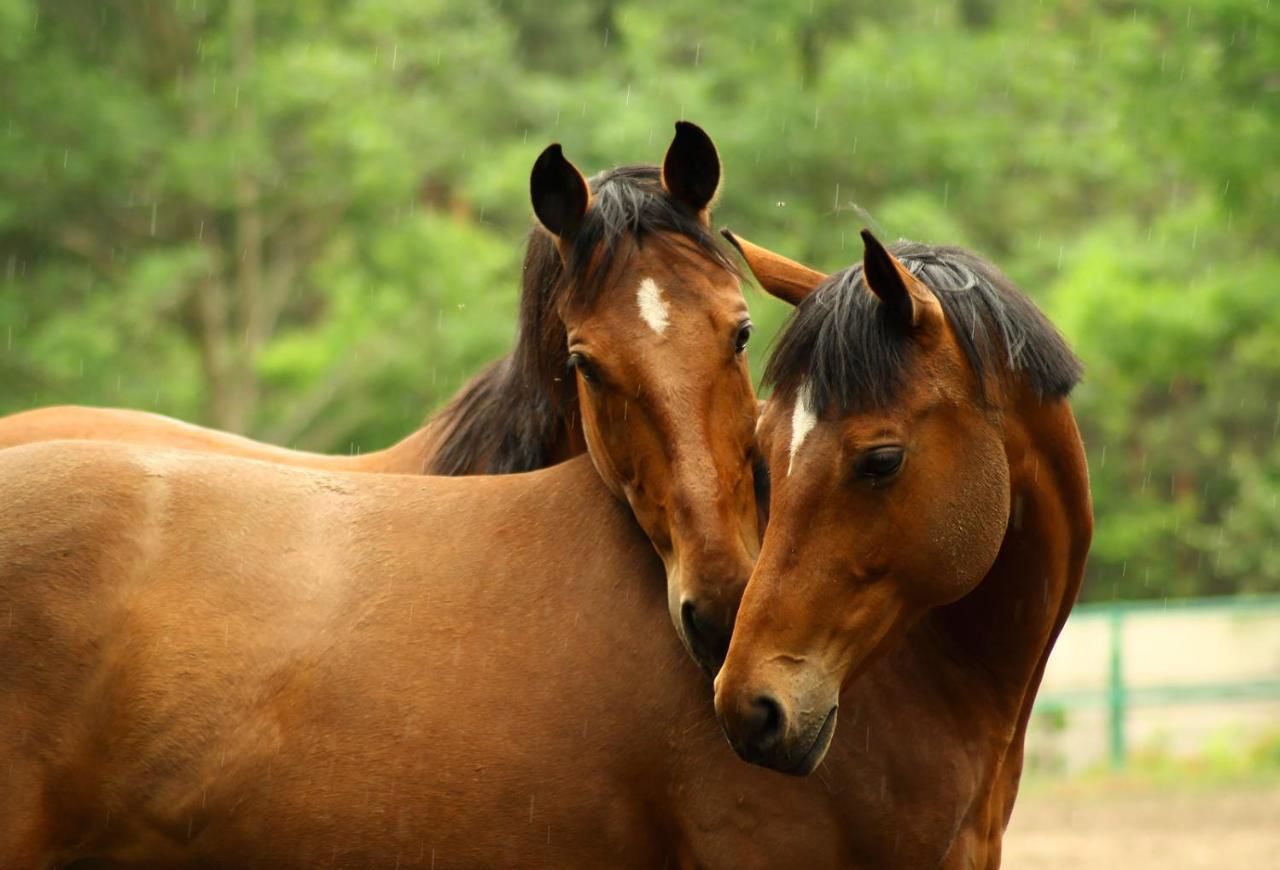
pixel 212 662
pixel 929 524
pixel 626 286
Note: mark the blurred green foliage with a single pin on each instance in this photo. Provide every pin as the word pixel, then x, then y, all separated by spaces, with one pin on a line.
pixel 304 221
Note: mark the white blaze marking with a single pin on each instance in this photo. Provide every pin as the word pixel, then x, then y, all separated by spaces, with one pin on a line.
pixel 653 308
pixel 802 422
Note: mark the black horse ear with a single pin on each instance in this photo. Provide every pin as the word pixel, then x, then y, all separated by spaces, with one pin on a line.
pixel 560 194
pixel 691 169
pixel 890 281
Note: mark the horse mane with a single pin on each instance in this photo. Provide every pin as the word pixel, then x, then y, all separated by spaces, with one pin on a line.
pixel 842 345
pixel 506 419
pixel 483 432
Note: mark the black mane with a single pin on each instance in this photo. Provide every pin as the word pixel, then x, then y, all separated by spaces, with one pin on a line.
pixel 508 418
pixel 842 345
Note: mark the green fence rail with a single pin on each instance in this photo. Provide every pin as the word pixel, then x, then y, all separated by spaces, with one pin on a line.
pixel 1118 696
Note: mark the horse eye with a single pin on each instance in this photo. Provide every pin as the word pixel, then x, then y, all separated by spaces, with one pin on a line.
pixel 578 362
pixel 880 463
pixel 743 336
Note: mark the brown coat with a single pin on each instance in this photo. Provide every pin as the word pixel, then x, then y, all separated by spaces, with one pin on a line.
pixel 215 662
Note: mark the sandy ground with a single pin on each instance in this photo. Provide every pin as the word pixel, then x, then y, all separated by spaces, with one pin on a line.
pixel 1133 828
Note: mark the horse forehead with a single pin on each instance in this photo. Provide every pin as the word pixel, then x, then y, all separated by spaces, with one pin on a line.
pixel 803 419
pixel 662 300
pixel 655 311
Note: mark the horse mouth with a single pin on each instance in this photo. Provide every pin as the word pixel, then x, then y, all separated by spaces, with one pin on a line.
pixel 818 750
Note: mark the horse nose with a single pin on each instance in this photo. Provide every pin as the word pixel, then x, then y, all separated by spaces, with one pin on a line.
pixel 708 640
pixel 763 724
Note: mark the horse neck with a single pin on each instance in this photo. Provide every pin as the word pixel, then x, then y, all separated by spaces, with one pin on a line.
pixel 1007 626
pixel 1001 634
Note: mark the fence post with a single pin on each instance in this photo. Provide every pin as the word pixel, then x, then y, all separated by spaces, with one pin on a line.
pixel 1118 699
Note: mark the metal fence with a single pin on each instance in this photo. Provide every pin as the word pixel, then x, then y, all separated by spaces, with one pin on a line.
pixel 1120 692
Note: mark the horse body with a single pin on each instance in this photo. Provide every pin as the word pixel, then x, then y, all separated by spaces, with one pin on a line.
pixel 217 662
pixel 208 674
pixel 412 455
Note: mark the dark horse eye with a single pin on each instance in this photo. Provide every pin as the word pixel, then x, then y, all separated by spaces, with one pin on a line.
pixel 583 366
pixel 743 336
pixel 880 463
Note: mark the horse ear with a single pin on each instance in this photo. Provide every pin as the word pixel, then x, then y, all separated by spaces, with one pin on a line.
pixel 902 294
pixel 691 169
pixel 786 279
pixel 560 194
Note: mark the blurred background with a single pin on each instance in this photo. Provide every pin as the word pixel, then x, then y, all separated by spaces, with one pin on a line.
pixel 304 222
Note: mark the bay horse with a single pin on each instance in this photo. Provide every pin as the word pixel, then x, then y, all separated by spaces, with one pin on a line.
pixel 632 329
pixel 207 661
pixel 930 519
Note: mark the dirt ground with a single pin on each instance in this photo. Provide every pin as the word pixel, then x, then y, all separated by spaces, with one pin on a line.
pixel 1145 828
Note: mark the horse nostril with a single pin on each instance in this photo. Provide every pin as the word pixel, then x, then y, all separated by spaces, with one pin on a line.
pixel 709 644
pixel 686 615
pixel 765 723
pixel 692 628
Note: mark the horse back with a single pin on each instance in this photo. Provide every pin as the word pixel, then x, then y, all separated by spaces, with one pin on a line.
pixel 157 431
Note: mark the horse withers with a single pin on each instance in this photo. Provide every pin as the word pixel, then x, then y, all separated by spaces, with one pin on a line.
pixel 929 524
